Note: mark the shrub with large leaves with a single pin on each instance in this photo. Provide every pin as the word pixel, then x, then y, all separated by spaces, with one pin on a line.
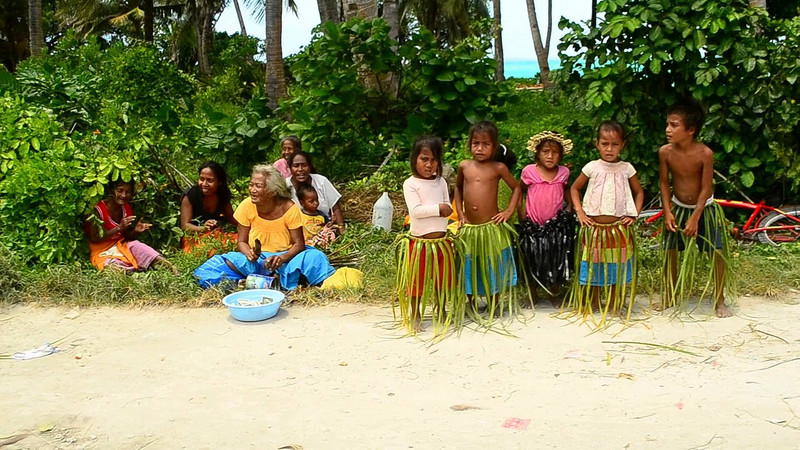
pixel 646 54
pixel 357 92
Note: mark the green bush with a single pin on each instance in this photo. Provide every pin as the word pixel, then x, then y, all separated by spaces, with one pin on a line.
pixel 743 66
pixel 358 93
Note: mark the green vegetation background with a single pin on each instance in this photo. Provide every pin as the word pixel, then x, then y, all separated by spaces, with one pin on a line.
pixel 92 111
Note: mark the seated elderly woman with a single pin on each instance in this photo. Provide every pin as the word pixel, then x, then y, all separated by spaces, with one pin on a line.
pixel 270 239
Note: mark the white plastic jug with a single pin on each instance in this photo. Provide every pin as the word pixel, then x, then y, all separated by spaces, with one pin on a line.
pixel 382 213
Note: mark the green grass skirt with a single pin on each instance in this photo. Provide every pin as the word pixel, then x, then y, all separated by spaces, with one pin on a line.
pixel 605 272
pixel 490 269
pixel 713 241
pixel 428 273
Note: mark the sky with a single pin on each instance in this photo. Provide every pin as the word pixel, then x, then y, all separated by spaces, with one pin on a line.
pixel 517 40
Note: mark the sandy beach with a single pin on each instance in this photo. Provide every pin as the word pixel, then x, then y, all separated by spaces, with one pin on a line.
pixel 343 376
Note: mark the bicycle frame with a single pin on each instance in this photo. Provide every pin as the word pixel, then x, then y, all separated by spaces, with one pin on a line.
pixel 759 210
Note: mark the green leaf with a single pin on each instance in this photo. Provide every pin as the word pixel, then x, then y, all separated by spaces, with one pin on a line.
pixel 747 178
pixel 680 53
pixel 752 162
pixel 446 76
pixel 699 39
pixel 296 127
pixel 655 65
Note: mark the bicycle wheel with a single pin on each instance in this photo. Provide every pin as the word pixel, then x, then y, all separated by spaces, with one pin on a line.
pixel 776 219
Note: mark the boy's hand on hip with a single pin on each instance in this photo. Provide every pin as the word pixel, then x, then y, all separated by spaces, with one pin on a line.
pixel 627 220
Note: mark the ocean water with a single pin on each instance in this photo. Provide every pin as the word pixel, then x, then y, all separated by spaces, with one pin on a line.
pixel 526 68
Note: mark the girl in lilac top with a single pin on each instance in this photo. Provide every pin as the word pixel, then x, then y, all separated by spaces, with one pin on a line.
pixel 547 230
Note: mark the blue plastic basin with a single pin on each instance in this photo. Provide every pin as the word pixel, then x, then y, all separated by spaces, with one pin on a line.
pixel 253 313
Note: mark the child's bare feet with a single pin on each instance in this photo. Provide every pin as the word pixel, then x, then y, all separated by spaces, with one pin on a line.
pixel 722 310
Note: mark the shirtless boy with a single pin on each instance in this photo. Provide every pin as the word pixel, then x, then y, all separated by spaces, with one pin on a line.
pixel 690 214
pixel 489 267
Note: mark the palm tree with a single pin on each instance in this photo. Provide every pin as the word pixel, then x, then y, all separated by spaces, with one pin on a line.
pixel 129 17
pixel 365 9
pixel 276 79
pixel 391 13
pixel 542 50
pixel 35 33
pixel 239 16
pixel 272 13
pixel 449 20
pixel 329 11
pixel 498 42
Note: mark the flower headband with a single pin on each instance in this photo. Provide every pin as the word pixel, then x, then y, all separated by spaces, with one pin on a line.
pixel 535 140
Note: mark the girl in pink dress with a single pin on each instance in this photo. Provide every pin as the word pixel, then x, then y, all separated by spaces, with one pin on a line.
pixel 606 280
pixel 547 227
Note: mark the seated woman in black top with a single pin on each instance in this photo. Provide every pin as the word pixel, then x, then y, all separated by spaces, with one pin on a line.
pixel 206 207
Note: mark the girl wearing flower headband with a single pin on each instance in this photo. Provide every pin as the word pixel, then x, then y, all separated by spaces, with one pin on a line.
pixel 547 227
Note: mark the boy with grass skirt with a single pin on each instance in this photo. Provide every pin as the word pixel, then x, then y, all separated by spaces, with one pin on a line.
pixel 694 224
pixel 487 238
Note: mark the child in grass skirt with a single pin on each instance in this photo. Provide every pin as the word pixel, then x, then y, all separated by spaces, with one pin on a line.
pixel 426 257
pixel 547 229
pixel 489 266
pixel 695 225
pixel 607 244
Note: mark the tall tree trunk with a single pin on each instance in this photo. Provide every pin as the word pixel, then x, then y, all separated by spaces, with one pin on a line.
pixel 149 19
pixel 365 9
pixel 239 16
pixel 594 14
pixel 205 38
pixel 276 80
pixel 541 51
pixel 329 11
pixel 35 32
pixel 498 43
pixel 391 13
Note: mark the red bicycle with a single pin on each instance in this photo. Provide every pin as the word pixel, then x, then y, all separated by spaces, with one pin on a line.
pixel 766 224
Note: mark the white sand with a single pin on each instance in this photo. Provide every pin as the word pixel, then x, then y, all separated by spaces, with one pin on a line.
pixel 341 377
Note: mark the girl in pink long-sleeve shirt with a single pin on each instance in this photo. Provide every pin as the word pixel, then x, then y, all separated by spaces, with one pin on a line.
pixel 426 259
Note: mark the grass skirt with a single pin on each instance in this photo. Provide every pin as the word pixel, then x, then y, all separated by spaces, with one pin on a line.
pixel 549 249
pixel 713 241
pixel 606 265
pixel 490 267
pixel 427 274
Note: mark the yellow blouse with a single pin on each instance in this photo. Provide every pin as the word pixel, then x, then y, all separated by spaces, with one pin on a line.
pixel 273 234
